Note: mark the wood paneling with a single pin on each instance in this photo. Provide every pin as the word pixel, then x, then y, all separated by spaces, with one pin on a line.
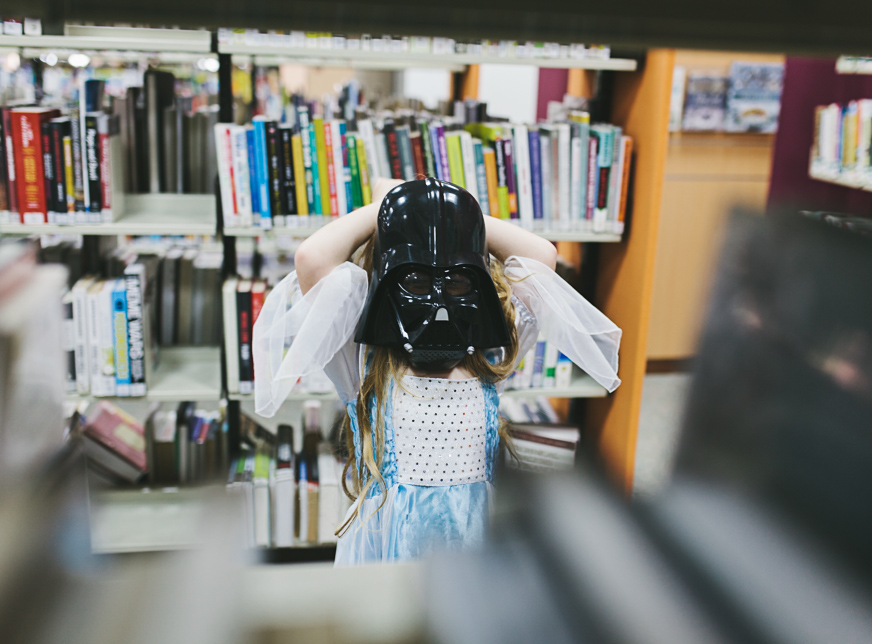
pixel 626 270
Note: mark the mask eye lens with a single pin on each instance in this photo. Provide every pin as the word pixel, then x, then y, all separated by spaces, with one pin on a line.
pixel 458 284
pixel 416 283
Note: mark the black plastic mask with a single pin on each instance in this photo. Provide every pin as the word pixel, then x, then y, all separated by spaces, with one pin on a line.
pixel 431 292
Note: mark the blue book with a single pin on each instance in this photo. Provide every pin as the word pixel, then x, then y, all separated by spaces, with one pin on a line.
pixel 480 175
pixel 262 173
pixel 252 171
pixel 316 177
pixel 536 172
pixel 538 364
pixel 119 332
pixel 346 170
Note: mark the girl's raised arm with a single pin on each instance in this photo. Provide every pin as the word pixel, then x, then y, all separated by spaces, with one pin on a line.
pixel 336 242
pixel 505 239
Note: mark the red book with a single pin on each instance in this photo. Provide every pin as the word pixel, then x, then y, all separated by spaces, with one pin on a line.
pixel 103 147
pixel 418 154
pixel 258 294
pixel 27 140
pixel 393 147
pixel 115 441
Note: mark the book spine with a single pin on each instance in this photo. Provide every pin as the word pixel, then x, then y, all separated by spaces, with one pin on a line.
pixel 343 170
pixel 48 172
pixel 481 176
pixel 245 326
pixel 119 328
pixel 468 156
pixel 455 159
pixel 625 184
pixel 301 188
pixel 4 177
pixel 134 282
pixel 418 155
pixel 78 174
pixel 68 179
pixel 381 152
pixel 59 190
pixel 289 184
pixel 583 132
pixel 262 173
pixel 490 170
pixel 80 318
pixel 364 126
pixel 316 206
pixel 443 152
pixel 535 150
pixel 11 174
pixel 92 168
pixel 617 168
pixel 538 364
pixel 592 181
pixel 68 343
pixel 253 190
pixel 549 368
pixel 404 145
pixel 241 175
pixel 354 169
pixel 231 334
pixel 105 315
pixel 604 162
pixel 427 151
pixel 502 180
pixel 333 177
pixel 437 153
pixel 92 300
pixel 273 173
pixel 393 150
pixel 546 163
pixel 563 372
pixel 524 183
pixel 105 169
pixel 364 165
pixel 509 157
pixel 27 135
pixel 324 171
pixel 224 159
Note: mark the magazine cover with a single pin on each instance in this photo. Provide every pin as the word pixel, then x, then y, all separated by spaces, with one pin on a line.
pixel 754 97
pixel 704 101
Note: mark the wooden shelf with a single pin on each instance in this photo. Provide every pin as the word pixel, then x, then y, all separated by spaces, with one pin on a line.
pixel 146 214
pixel 117 39
pixel 305 231
pixel 349 57
pixel 847 179
pixel 183 373
pixel 583 386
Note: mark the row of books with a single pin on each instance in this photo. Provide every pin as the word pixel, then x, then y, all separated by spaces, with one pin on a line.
pixel 146 298
pixel 843 137
pixel 544 366
pixel 289 484
pixel 58 170
pixel 550 176
pixel 407 45
pixel 746 100
pixel 172 447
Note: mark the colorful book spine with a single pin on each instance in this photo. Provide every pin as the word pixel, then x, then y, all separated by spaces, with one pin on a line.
pixel 334 173
pixel 468 156
pixel 323 166
pixel 300 176
pixel 317 200
pixel 241 174
pixel 538 364
pixel 346 202
pixel 490 168
pixel 119 327
pixel 505 211
pixel 48 172
pixel 535 154
pixel 354 169
pixel 433 127
pixel 481 176
pixel 427 149
pixel 393 149
pixel 134 283
pixel 59 190
pixel 443 152
pixel 11 174
pixel 625 183
pixel 605 149
pixel 418 155
pixel 224 153
pixel 253 190
pixel 455 159
pixel 262 172
pixel 68 178
pixel 592 181
pixel 365 178
pixel 367 135
pixel 509 157
pixel 404 145
pixel 92 168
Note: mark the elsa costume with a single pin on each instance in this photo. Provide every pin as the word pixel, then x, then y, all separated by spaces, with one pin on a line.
pixel 441 440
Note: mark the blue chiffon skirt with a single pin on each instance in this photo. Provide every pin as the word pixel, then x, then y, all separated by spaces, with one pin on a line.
pixel 415 521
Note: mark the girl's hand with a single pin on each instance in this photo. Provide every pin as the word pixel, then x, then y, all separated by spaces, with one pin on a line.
pixel 382 187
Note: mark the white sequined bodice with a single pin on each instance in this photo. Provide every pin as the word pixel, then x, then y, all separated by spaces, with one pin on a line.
pixel 439 431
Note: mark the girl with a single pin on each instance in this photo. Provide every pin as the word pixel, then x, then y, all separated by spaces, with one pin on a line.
pixel 418 342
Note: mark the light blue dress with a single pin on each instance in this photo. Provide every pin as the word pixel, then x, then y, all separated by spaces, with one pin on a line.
pixel 437 486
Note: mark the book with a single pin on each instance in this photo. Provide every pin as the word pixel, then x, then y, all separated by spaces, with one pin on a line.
pixel 333 173
pixel 273 170
pixel 288 187
pixel 135 285
pixel 535 156
pixel 241 175
pixel 261 159
pixel 705 102
pixel 481 176
pixel 11 175
pixel 284 489
pixel 80 321
pixel 244 330
pixel 753 100
pixel 467 153
pixel 115 442
pixel 48 172
pixel 300 176
pixel 27 142
pixel 627 154
pixel 323 169
pixel 521 156
pixel 404 148
pixel 419 166
pixel 490 170
pixel 511 183
pixel 224 150
pixel 354 170
pixel 365 177
pixel 455 159
pixel 231 333
pixel 502 180
pixel 393 150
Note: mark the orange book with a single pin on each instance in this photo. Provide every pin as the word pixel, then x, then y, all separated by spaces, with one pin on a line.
pixel 490 170
pixel 627 142
pixel 27 143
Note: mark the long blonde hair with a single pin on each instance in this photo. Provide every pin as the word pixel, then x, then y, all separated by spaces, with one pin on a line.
pixel 386 363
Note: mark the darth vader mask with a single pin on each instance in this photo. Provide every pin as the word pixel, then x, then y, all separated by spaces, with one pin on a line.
pixel 431 292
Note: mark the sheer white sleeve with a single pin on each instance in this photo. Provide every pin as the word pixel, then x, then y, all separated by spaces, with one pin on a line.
pixel 578 329
pixel 296 335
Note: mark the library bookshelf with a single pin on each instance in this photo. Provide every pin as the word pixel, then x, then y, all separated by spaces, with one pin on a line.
pixel 624 264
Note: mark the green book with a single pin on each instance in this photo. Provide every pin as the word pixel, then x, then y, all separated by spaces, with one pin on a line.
pixel 428 150
pixel 321 155
pixel 455 158
pixel 487 132
pixel 315 207
pixel 356 192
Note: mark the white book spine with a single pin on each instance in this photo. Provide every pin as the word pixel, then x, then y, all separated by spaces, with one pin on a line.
pixel 575 188
pixel 224 155
pixel 93 313
pixel 241 175
pixel 373 165
pixel 563 372
pixel 284 491
pixel 524 183
pixel 549 369
pixel 107 339
pixel 547 180
pixel 231 335
pixel 381 155
pixel 261 513
pixel 468 156
pixel 80 321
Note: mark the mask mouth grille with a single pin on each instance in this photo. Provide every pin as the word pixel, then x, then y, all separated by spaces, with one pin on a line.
pixel 441 335
pixel 437 356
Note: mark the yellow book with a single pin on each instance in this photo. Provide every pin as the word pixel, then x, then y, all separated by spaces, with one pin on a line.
pixel 365 188
pixel 490 171
pixel 321 147
pixel 68 173
pixel 849 139
pixel 487 132
pixel 299 175
pixel 455 158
